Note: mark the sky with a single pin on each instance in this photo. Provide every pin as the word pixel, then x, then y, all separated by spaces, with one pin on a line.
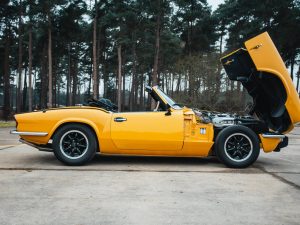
pixel 214 3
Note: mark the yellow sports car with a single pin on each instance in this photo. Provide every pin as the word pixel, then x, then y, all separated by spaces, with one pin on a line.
pixel 75 134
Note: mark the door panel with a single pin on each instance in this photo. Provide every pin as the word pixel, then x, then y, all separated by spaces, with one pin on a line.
pixel 147 130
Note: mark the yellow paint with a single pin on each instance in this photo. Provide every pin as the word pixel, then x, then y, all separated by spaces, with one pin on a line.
pixel 148 131
pixel 194 140
pixel 269 144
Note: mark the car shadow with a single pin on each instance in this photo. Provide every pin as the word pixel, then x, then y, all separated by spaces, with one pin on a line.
pixel 46 159
pixel 137 160
pixel 152 160
pixel 135 163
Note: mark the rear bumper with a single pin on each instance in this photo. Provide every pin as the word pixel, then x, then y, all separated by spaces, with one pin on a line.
pixel 29 133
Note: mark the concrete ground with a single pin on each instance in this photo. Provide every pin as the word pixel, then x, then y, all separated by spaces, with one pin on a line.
pixel 37 189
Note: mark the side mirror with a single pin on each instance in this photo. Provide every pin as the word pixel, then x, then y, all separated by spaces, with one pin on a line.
pixel 168 113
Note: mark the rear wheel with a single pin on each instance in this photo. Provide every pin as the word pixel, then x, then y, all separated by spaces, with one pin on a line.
pixel 237 146
pixel 74 144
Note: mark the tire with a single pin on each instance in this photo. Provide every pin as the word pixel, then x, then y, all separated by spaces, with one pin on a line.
pixel 237 146
pixel 74 144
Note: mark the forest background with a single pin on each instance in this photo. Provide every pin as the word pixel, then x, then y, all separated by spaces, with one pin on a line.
pixel 57 53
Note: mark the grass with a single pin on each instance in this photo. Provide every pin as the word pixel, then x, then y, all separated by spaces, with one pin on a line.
pixel 7 124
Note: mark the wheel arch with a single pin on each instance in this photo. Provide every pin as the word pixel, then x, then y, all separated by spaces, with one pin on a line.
pixel 90 125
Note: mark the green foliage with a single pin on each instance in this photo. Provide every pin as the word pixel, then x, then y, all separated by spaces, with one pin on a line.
pixel 244 19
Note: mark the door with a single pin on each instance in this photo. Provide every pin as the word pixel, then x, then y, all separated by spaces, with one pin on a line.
pixel 147 130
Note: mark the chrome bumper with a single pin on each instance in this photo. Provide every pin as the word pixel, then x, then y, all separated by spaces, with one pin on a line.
pixel 273 136
pixel 29 133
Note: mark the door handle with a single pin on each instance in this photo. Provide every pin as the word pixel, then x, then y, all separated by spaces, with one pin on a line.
pixel 120 119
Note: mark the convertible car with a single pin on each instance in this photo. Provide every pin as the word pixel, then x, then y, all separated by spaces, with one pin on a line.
pixel 76 134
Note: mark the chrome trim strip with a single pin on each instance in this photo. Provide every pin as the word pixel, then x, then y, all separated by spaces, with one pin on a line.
pixel 28 133
pixel 273 135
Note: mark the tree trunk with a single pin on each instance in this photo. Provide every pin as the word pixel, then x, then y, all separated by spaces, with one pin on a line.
pixel 34 103
pixel 105 76
pixel 218 76
pixel 162 81
pixel 105 79
pixel 123 89
pixel 119 90
pixel 30 69
pixel 133 85
pixel 172 86
pixel 6 106
pixel 49 104
pixel 142 93
pixel 189 38
pixel 54 94
pixel 43 92
pixel 24 91
pixel 90 82
pixel 191 84
pixel 156 52
pixel 74 88
pixel 58 94
pixel 19 94
pixel 95 72
pixel 100 57
pixel 157 46
pixel 68 101
pixel 167 83
pixel 178 83
pixel 292 66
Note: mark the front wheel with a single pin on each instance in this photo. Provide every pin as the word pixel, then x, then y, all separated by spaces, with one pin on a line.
pixel 237 146
pixel 74 144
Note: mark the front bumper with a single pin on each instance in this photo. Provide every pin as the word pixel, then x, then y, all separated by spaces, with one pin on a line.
pixel 282 144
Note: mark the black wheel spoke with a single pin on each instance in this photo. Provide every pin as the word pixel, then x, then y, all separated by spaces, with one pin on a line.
pixel 231 143
pixel 78 150
pixel 69 136
pixel 231 149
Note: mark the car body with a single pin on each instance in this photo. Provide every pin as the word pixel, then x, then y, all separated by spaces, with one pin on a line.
pixel 75 134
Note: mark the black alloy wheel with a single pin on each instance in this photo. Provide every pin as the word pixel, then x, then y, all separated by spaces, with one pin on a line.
pixel 237 146
pixel 74 144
